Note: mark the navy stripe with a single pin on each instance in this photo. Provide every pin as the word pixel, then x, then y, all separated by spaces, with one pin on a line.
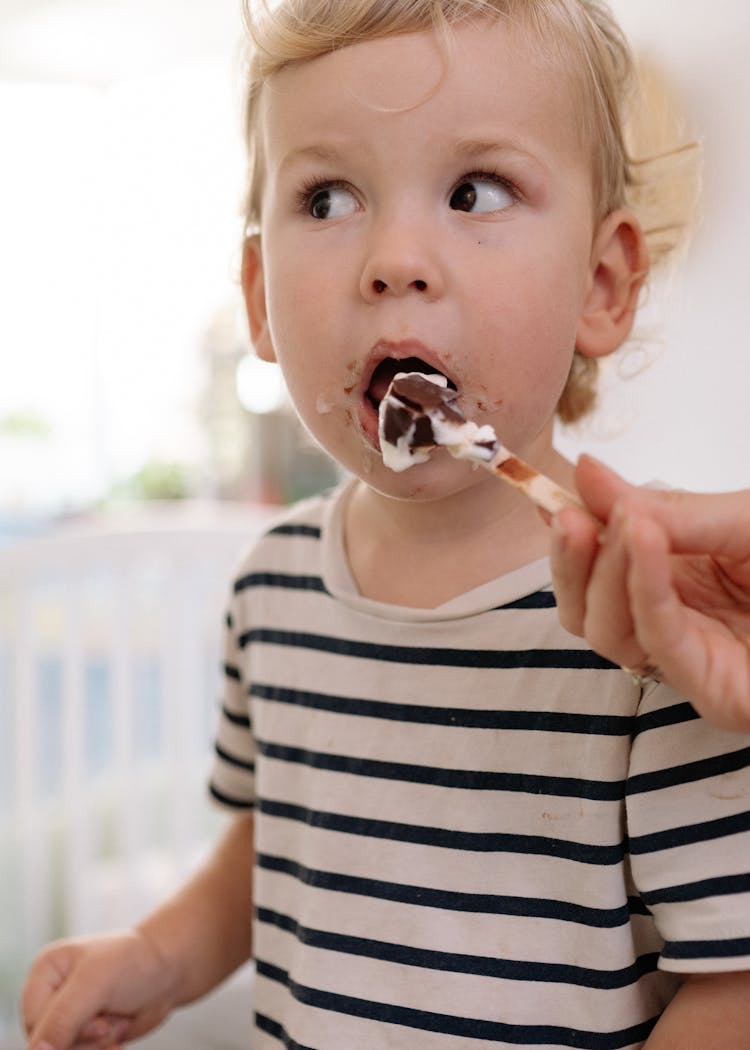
pixel 692 833
pixel 232 672
pixel 665 716
pixel 637 906
pixel 528 721
pixel 456 962
pixel 690 772
pixel 538 600
pixel 725 949
pixel 446 838
pixel 276 1031
pixel 296 530
pixel 462 1027
pixel 460 779
pixel 227 800
pixel 281 580
pixel 235 719
pixel 450 900
pixel 233 760
pixel 581 659
pixel 722 886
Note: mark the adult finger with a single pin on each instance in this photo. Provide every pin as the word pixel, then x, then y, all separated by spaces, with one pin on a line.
pixel 660 618
pixel 697 522
pixel 573 550
pixel 608 624
pixel 600 487
pixel 697 657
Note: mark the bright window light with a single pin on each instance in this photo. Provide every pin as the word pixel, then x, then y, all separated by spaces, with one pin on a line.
pixel 260 385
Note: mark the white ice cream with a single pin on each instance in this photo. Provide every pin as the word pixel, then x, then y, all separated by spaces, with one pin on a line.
pixel 463 440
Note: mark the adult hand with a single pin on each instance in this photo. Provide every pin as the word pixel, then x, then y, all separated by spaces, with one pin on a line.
pixel 95 992
pixel 661 579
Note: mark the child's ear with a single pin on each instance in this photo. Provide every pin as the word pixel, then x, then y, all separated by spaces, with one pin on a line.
pixel 254 290
pixel 619 264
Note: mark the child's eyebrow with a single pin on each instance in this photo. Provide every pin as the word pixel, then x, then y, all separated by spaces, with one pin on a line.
pixel 466 149
pixel 322 154
pixel 473 148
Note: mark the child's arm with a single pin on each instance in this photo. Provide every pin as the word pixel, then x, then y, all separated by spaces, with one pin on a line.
pixel 710 1012
pixel 105 989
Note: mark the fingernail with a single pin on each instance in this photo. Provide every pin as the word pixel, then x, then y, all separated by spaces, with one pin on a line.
pixel 617 520
pixel 586 457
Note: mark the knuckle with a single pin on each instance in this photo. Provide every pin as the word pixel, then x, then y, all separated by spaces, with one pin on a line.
pixel 599 639
pixel 570 602
pixel 569 616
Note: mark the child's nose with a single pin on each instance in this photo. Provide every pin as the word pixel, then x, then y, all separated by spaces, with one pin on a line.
pixel 399 265
pixel 379 287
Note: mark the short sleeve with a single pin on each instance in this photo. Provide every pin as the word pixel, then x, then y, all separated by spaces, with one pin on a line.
pixel 232 781
pixel 688 812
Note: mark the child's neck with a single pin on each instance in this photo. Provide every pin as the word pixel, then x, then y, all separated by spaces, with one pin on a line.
pixel 422 555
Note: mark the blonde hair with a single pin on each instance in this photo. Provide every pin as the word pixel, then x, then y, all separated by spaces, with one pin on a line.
pixel 604 71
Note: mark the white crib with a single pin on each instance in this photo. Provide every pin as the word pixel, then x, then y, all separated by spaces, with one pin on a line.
pixel 109 669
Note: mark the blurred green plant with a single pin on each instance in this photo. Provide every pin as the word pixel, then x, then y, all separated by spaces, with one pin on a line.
pixel 156 479
pixel 24 424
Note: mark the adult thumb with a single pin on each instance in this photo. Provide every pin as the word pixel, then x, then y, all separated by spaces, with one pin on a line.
pixel 695 522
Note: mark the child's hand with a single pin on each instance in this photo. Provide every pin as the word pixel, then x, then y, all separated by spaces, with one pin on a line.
pixel 95 993
pixel 666 586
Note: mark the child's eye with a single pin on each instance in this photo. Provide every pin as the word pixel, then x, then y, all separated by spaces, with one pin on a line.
pixel 481 194
pixel 331 202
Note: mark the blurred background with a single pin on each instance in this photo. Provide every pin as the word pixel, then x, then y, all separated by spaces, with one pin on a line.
pixel 142 445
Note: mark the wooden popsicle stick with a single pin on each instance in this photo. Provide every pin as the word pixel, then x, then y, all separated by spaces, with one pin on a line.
pixel 539 488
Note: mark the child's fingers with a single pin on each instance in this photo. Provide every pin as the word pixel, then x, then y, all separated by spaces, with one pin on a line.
pixel 64 1018
pixel 105 1030
pixel 572 553
pixel 44 981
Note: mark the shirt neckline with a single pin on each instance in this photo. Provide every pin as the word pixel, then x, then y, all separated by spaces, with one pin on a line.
pixel 339 582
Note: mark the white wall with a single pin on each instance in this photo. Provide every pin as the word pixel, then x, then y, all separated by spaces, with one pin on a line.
pixel 686 419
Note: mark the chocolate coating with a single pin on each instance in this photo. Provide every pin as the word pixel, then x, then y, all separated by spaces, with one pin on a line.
pixel 422 395
pixel 400 419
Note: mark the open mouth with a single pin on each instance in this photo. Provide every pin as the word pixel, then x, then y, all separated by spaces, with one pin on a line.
pixel 389 367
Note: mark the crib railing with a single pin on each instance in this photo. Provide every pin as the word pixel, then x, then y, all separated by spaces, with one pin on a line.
pixel 109 656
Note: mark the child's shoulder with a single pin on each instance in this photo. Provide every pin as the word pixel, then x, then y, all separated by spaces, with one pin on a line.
pixel 295 533
pixel 304 519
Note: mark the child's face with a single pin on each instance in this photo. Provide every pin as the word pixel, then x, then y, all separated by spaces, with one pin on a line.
pixel 413 211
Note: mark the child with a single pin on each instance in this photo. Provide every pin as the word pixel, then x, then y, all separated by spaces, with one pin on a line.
pixel 459 827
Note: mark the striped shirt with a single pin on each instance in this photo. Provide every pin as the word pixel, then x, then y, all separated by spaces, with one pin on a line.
pixel 470 829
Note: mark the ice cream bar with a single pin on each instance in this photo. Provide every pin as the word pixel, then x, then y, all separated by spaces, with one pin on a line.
pixel 420 412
